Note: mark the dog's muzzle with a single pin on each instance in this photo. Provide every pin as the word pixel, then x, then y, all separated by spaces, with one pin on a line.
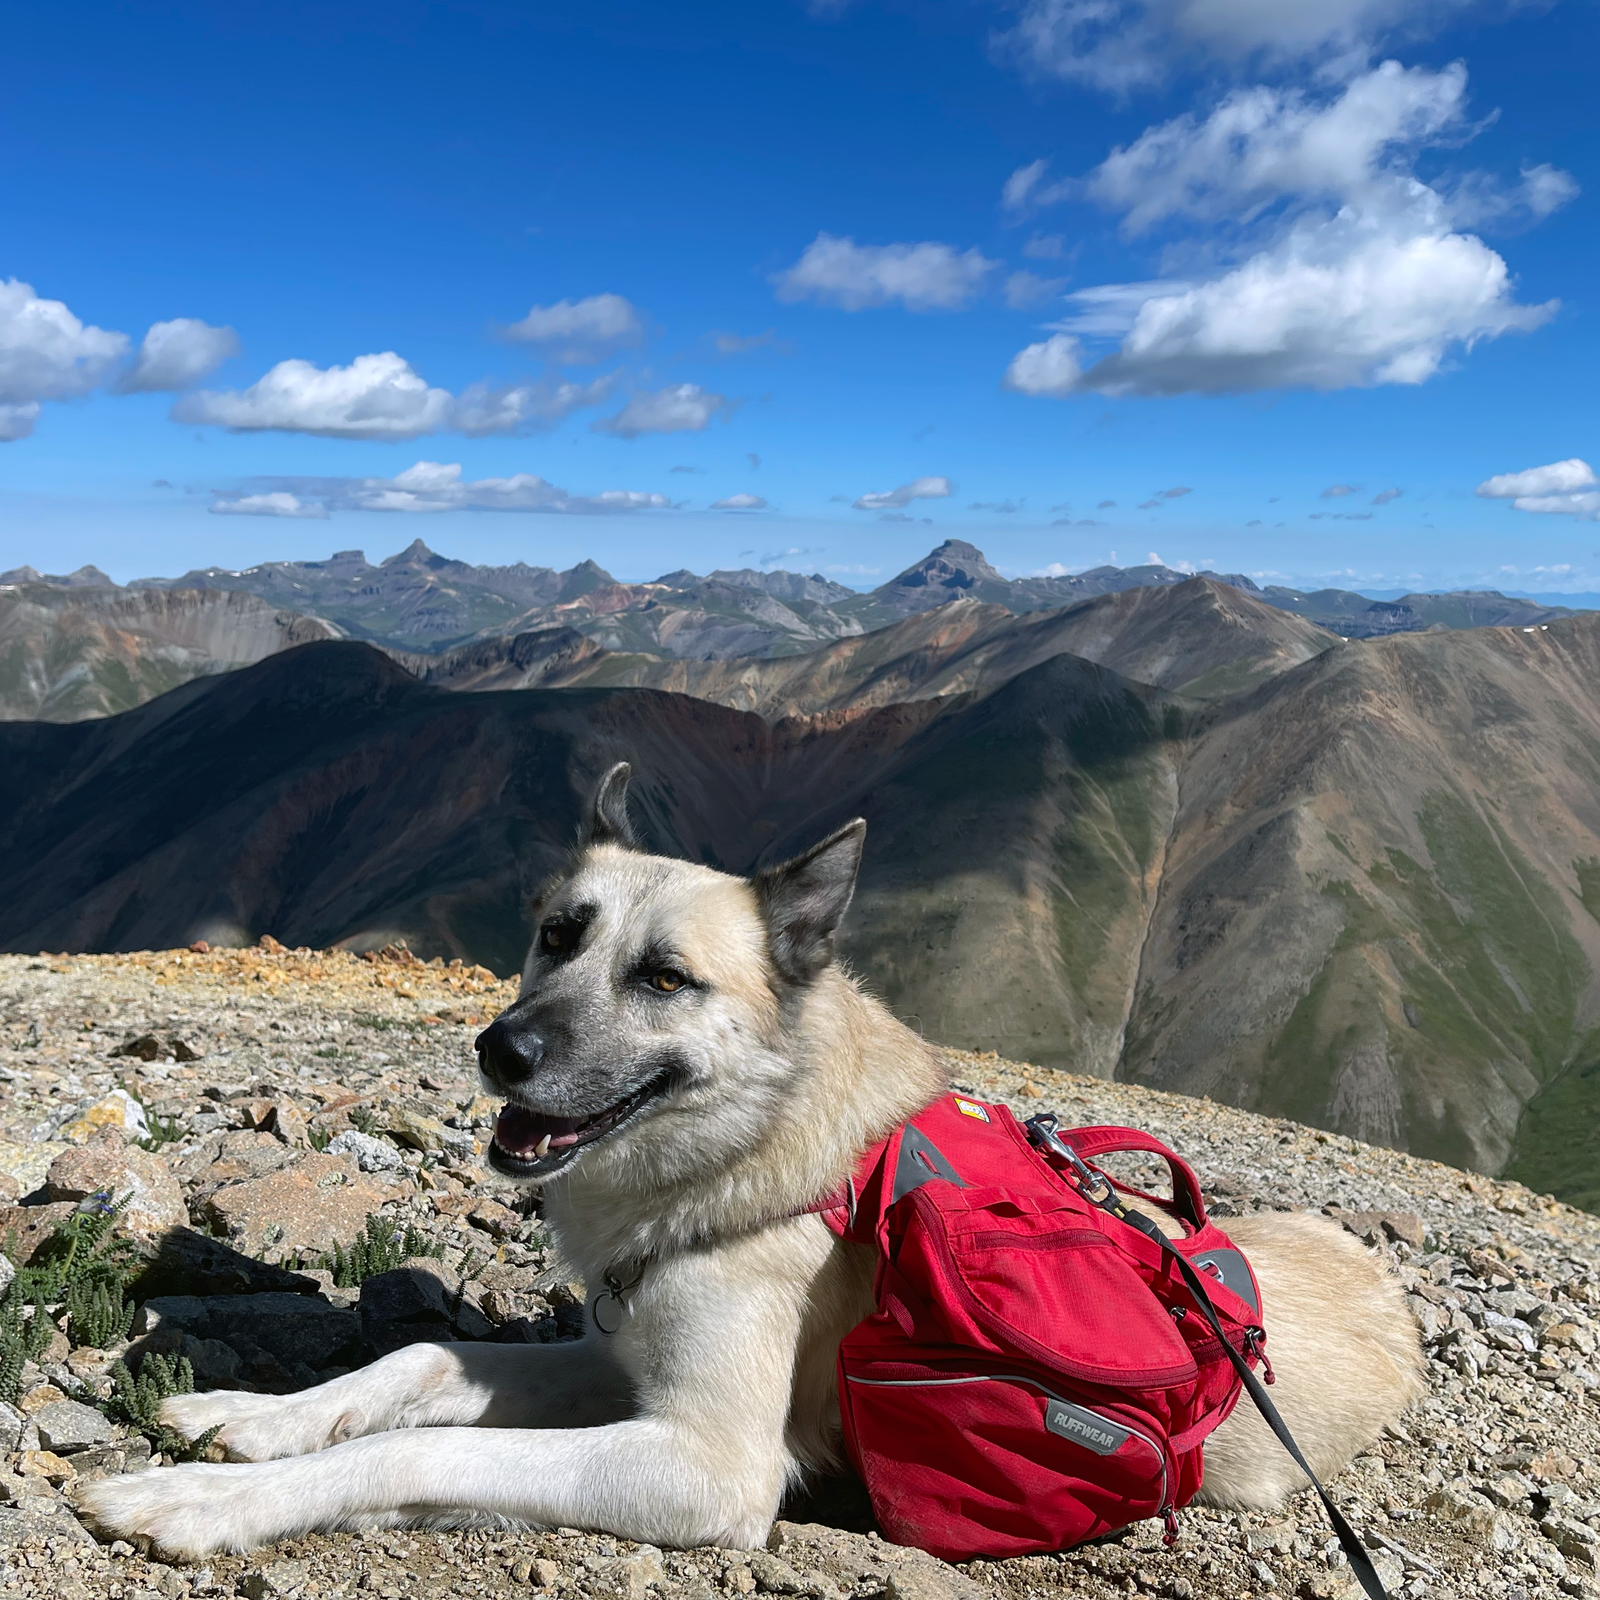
pixel 509 1053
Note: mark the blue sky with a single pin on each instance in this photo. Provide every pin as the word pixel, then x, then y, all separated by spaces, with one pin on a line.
pixel 877 273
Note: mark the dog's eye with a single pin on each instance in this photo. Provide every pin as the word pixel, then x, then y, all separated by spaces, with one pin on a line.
pixel 666 982
pixel 553 938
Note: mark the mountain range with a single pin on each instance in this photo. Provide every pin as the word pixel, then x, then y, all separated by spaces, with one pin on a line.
pixel 1172 833
pixel 78 645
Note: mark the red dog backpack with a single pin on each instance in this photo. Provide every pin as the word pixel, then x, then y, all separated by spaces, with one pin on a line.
pixel 1043 1366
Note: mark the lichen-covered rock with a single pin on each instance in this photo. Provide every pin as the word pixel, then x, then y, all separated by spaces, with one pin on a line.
pixel 309 1205
pixel 68 1425
pixel 109 1165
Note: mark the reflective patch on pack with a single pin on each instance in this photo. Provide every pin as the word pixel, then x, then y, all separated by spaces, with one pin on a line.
pixel 1084 1427
pixel 921 1161
pixel 968 1109
pixel 1232 1271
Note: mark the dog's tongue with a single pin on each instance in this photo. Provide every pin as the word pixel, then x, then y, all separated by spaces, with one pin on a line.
pixel 519 1131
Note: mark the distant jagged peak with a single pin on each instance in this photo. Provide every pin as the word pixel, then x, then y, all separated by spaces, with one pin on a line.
pixel 417 554
pixel 955 564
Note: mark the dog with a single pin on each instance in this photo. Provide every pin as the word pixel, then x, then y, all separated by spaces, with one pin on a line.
pixel 688 1068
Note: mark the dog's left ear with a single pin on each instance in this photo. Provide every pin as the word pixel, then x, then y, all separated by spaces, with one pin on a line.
pixel 803 900
pixel 607 819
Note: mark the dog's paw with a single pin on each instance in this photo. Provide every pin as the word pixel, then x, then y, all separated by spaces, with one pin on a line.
pixel 188 1512
pixel 255 1427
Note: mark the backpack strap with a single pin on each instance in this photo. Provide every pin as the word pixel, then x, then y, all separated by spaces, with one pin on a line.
pixel 1098 1190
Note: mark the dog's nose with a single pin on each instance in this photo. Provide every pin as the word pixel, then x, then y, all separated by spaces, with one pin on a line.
pixel 509 1052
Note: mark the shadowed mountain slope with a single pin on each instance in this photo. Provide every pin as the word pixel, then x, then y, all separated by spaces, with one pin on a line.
pixel 327 796
pixel 71 650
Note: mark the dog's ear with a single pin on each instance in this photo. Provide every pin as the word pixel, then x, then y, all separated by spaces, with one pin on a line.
pixel 803 900
pixel 607 818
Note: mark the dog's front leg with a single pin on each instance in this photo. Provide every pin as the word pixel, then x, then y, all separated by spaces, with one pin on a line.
pixel 570 1385
pixel 711 1346
pixel 650 1479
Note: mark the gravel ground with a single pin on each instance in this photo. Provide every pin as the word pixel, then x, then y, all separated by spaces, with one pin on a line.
pixel 252 1059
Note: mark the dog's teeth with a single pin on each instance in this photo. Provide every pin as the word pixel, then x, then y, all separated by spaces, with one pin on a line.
pixel 540 1148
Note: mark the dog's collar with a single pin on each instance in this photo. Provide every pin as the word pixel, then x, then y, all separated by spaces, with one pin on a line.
pixel 609 1308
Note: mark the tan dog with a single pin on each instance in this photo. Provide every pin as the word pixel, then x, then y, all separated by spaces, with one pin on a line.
pixel 686 1070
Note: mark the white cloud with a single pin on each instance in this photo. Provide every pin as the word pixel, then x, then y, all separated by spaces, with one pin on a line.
pixel 1122 45
pixel 1338 491
pixel 46 353
pixel 1384 496
pixel 1338 302
pixel 1050 368
pixel 17 422
pixel 740 502
pixel 1261 144
pixel 375 397
pixel 1045 247
pixel 1027 189
pixel 1563 488
pixel 381 397
pixel 1358 273
pixel 1025 290
pixel 431 486
pixel 275 503
pixel 581 330
pixel 917 489
pixel 173 355
pixel 856 277
pixel 523 407
pixel 679 408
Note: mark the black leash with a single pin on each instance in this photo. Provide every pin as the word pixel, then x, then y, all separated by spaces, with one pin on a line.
pixel 1097 1188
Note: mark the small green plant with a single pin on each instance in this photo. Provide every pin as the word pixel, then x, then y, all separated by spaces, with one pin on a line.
pixel 163 1130
pixel 97 1313
pixel 380 1249
pixel 84 1263
pixel 319 1138
pixel 135 1402
pixel 329 1052
pixel 364 1120
pixel 22 1339
pixel 382 1024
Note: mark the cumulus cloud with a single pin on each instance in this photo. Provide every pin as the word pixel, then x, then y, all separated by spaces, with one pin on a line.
pixel 679 408
pixel 1121 45
pixel 375 397
pixel 1563 488
pixel 46 353
pixel 429 486
pixel 173 355
pixel 740 502
pixel 1340 302
pixel 1337 491
pixel 581 330
pixel 1354 271
pixel 524 407
pixel 1384 496
pixel 1263 143
pixel 274 503
pixel 856 277
pixel 917 489
pixel 381 397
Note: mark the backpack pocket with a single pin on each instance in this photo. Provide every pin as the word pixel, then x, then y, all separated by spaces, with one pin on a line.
pixel 996 1462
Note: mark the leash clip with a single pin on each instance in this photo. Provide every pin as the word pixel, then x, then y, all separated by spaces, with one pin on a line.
pixel 1096 1186
pixel 609 1307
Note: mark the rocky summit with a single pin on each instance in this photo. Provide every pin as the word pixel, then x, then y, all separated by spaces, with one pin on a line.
pixel 300 1133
